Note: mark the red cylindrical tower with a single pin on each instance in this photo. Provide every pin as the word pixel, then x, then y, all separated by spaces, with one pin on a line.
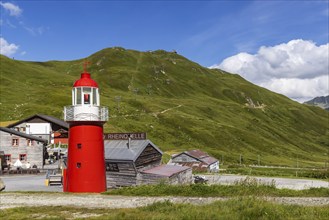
pixel 85 162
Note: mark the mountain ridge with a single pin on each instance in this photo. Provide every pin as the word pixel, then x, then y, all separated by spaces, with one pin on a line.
pixel 321 101
pixel 180 104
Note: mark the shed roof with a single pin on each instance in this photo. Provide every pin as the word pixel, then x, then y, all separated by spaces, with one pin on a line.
pixel 118 149
pixel 47 118
pixel 199 155
pixel 166 170
pixel 27 136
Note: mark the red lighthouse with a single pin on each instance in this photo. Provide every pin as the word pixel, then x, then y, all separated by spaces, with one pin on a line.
pixel 85 163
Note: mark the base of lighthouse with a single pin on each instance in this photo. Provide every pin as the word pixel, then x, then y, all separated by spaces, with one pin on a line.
pixel 85 163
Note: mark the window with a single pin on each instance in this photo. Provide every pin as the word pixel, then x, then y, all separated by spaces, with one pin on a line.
pixel 78 165
pixel 15 142
pixel 22 157
pixel 7 158
pixel 79 146
pixel 23 129
pixel 78 96
pixel 86 95
pixel 94 96
pixel 29 142
pixel 16 128
pixel 112 167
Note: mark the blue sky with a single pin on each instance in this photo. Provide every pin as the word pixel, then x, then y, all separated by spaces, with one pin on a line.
pixel 207 32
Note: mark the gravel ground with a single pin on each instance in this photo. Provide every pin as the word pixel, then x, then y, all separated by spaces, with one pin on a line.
pixel 10 200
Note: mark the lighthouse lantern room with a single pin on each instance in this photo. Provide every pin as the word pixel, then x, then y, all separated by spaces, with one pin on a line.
pixel 85 170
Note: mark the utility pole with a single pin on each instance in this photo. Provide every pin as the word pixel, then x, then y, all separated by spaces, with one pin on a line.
pixel 118 99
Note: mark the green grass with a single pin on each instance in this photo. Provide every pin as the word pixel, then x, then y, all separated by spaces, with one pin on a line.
pixel 206 109
pixel 247 187
pixel 237 208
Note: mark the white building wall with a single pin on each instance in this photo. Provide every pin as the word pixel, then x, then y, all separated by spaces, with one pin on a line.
pixel 38 128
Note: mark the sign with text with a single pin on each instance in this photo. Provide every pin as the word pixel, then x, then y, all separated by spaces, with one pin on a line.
pixel 124 136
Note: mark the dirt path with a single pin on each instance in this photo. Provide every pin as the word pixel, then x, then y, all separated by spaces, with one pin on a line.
pixel 10 200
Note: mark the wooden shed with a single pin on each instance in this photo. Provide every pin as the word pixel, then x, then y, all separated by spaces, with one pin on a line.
pixel 126 159
pixel 170 174
pixel 197 160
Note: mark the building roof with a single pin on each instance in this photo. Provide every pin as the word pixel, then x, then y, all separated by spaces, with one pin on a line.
pixel 118 149
pixel 47 118
pixel 27 136
pixel 166 170
pixel 199 155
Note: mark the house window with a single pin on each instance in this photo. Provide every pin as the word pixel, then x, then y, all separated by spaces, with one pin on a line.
pixel 15 142
pixel 16 128
pixel 29 142
pixel 23 129
pixel 7 158
pixel 22 157
pixel 112 167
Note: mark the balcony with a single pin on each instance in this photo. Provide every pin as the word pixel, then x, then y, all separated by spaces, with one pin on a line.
pixel 85 113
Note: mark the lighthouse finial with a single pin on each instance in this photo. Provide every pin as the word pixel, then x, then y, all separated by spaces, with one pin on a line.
pixel 85 65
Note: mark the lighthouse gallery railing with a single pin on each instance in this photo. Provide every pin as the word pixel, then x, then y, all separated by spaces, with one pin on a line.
pixel 71 114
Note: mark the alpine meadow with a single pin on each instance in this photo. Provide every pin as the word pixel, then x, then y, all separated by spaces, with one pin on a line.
pixel 178 103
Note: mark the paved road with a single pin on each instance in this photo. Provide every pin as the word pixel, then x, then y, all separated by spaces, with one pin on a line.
pixel 28 183
pixel 281 183
pixel 37 182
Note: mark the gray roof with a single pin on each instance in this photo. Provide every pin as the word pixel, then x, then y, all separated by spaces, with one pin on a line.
pixel 166 170
pixel 48 118
pixel 198 155
pixel 118 149
pixel 27 136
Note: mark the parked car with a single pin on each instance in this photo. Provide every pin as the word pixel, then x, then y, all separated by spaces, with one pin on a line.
pixel 200 179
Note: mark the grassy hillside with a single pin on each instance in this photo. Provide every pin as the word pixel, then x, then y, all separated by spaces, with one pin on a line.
pixel 180 104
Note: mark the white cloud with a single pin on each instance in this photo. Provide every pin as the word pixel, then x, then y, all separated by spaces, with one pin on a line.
pixel 6 48
pixel 35 31
pixel 299 89
pixel 14 10
pixel 296 69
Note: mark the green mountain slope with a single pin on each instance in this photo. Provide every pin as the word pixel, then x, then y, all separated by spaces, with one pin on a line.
pixel 180 104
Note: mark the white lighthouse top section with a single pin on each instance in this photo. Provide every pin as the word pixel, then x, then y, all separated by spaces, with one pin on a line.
pixel 85 102
pixel 85 96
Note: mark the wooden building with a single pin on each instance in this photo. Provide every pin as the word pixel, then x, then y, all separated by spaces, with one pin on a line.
pixel 47 127
pixel 170 174
pixel 197 160
pixel 21 146
pixel 125 159
pixel 136 162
